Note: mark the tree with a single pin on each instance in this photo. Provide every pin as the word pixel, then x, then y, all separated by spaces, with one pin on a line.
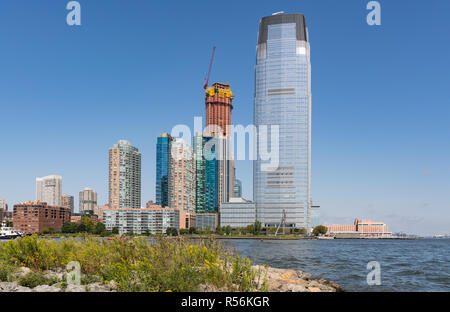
pixel 219 230
pixel 320 230
pixel 81 227
pixel 193 230
pixel 228 230
pixel 100 228
pixel 302 231
pixel 256 228
pixel 171 231
pixel 69 227
pixel 115 230
pixel 48 230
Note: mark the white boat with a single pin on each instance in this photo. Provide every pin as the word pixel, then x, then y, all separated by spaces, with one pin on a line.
pixel 8 232
pixel 325 237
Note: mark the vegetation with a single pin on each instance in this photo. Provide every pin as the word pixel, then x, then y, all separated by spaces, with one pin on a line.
pixel 33 279
pixel 6 271
pixel 85 226
pixel 320 230
pixel 134 264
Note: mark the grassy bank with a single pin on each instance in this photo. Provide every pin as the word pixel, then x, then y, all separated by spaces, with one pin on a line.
pixel 133 264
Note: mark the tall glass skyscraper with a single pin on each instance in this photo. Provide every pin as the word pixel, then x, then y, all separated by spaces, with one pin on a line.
pixel 206 174
pixel 162 169
pixel 283 98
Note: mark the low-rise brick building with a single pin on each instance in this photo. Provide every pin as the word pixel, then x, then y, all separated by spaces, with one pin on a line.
pixel 34 216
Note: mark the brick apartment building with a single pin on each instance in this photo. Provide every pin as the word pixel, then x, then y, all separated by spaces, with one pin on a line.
pixel 34 216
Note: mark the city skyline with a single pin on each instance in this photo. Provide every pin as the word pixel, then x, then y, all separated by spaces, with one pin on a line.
pixel 383 160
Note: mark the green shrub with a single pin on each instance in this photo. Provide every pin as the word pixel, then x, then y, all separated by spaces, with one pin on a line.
pixel 33 279
pixel 6 271
pixel 166 264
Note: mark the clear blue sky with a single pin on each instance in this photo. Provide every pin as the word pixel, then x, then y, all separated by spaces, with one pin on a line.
pixel 133 69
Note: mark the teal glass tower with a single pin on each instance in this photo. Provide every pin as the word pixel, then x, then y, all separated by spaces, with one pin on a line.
pixel 283 99
pixel 206 174
pixel 162 169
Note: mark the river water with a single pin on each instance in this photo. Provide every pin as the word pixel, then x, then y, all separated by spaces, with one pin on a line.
pixel 405 265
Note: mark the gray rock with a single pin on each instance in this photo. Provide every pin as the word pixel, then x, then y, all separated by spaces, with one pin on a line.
pixel 75 288
pixel 46 288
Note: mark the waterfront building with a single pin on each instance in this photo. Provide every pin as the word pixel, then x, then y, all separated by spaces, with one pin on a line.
pixel 237 190
pixel 206 174
pixel 87 200
pixel 283 99
pixel 48 190
pixel 98 211
pixel 162 169
pixel 5 215
pixel 181 182
pixel 151 220
pixel 34 216
pixel 181 177
pixel 67 201
pixel 124 176
pixel 218 102
pixel 207 221
pixel 237 213
pixel 359 229
pixel 314 216
pixel 3 205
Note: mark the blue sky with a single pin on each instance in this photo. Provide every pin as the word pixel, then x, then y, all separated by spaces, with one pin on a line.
pixel 133 69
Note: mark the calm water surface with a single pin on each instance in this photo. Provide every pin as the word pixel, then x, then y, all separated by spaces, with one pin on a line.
pixel 406 265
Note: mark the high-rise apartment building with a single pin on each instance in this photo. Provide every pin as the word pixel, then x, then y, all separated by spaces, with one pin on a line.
pixel 3 205
pixel 206 174
pixel 218 101
pixel 182 180
pixel 67 201
pixel 124 176
pixel 283 99
pixel 48 190
pixel 162 169
pixel 87 200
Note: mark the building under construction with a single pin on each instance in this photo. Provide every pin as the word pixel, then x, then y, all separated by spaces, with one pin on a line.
pixel 218 102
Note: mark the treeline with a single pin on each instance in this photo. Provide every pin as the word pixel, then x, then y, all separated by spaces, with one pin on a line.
pixel 85 226
pixel 252 229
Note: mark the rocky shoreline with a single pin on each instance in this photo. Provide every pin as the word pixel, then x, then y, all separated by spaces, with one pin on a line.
pixel 278 280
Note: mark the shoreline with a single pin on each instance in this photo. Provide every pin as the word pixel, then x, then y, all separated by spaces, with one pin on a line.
pixel 258 237
pixel 277 280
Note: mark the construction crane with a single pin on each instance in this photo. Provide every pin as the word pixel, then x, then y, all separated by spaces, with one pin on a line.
pixel 205 86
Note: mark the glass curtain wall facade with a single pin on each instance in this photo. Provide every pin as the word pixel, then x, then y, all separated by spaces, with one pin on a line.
pixel 206 174
pixel 162 169
pixel 283 98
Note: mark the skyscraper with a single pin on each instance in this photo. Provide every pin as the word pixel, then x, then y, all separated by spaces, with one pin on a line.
pixel 237 188
pixel 48 190
pixel 218 101
pixel 124 176
pixel 87 200
pixel 67 201
pixel 181 177
pixel 283 98
pixel 206 174
pixel 3 205
pixel 162 169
